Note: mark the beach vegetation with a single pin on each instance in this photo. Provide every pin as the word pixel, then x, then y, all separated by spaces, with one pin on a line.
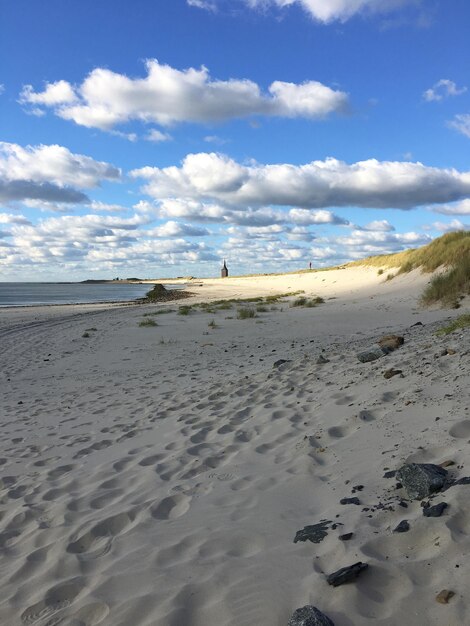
pixel 184 309
pixel 212 324
pixel 307 302
pixel 86 335
pixel 245 313
pixel 148 322
pixel 261 308
pixel 380 272
pixel 159 312
pixel 447 287
pixel 90 330
pixel 459 323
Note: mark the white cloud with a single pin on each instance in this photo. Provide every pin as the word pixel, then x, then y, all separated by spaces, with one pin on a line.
pixel 379 226
pixel 157 136
pixel 97 205
pixel 459 208
pixel 49 174
pixel 202 4
pixel 54 94
pixel 327 11
pixel 9 218
pixel 461 123
pixel 54 165
pixel 215 178
pixel 2 89
pixel 176 229
pixel 447 227
pixel 444 88
pixel 168 96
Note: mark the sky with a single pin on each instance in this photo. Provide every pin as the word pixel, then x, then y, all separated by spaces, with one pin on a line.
pixel 155 138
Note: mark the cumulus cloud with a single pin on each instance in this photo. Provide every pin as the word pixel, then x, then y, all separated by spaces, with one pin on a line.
pixel 176 229
pixel 49 174
pixel 383 226
pixel 203 4
pixel 54 94
pixel 459 208
pixel 168 96
pixel 157 136
pixel 211 177
pixel 9 218
pixel 53 165
pixel 444 88
pixel 461 123
pixel 447 227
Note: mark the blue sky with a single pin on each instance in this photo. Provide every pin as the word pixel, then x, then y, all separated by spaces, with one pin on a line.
pixel 155 138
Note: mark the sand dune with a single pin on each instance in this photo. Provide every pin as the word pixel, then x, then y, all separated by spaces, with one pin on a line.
pixel 158 476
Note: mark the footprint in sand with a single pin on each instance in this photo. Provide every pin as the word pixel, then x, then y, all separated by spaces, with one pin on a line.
pixel 98 541
pixel 460 430
pixel 171 507
pixel 90 615
pixel 55 600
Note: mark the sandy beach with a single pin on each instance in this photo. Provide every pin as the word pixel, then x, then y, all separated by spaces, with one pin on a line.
pixel 157 476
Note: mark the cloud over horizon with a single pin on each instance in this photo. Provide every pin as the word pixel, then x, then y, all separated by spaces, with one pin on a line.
pixel 319 184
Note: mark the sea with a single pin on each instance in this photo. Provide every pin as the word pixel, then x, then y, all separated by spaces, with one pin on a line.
pixel 31 294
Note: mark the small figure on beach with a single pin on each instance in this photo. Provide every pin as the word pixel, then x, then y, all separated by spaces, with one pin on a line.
pixel 310 265
pixel 224 271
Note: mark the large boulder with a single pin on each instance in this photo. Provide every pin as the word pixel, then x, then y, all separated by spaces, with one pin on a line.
pixel 309 616
pixel 421 480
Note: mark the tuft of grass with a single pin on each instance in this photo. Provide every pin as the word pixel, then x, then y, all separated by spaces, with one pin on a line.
pixel 225 306
pixel 449 286
pixel 91 329
pixel 308 302
pixel 245 313
pixel 148 322
pixel 380 272
pixel 460 322
pixel 261 308
pixel 184 309
pixel 212 324
pixel 86 335
pixel 159 312
pixel 390 277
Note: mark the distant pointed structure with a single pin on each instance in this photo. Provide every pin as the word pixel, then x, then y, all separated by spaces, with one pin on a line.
pixel 224 271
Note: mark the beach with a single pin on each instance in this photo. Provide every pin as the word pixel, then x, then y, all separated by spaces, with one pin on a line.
pixel 158 475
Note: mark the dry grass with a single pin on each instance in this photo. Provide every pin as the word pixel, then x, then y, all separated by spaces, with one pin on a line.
pixel 461 322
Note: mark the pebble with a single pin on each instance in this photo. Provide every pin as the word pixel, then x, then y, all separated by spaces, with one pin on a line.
pixel 346 574
pixel 392 372
pixel 444 596
pixel 403 527
pixel 420 480
pixel 309 616
pixel 314 533
pixel 435 511
pixel 350 501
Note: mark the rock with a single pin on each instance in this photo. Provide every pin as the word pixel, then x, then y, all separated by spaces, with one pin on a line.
pixel 346 536
pixel 435 511
pixel 403 527
pixel 314 533
pixel 280 362
pixel 391 342
pixel 416 324
pixel 392 372
pixel 350 501
pixel 390 474
pixel 371 354
pixel 444 596
pixel 309 616
pixel 462 481
pixel 420 480
pixel 450 351
pixel 321 360
pixel 346 574
pixel 447 463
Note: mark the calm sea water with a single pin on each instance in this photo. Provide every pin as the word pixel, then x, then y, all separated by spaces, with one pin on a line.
pixel 29 294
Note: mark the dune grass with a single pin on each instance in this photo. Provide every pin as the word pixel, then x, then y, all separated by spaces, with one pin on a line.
pixel 148 322
pixel 245 313
pixel 451 251
pixel 307 302
pixel 460 322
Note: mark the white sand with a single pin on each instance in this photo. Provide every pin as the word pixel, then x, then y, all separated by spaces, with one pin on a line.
pixel 157 476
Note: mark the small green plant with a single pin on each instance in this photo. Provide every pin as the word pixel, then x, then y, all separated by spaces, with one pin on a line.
pixel 389 277
pixel 159 312
pixel 148 322
pixel 86 335
pixel 299 301
pixel 212 324
pixel 245 313
pixel 380 272
pixel 460 322
pixel 184 309
pixel 447 287
pixel 261 308
pixel 225 306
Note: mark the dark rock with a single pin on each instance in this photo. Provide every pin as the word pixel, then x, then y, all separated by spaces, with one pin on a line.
pixel 416 324
pixel 462 481
pixel 346 536
pixel 420 480
pixel 390 474
pixel 314 533
pixel 435 511
pixel 346 574
pixel 403 527
pixel 309 616
pixel 350 501
pixel 280 362
pixel 371 354
pixel 444 596
pixel 392 372
pixel 391 342
pixel 321 360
